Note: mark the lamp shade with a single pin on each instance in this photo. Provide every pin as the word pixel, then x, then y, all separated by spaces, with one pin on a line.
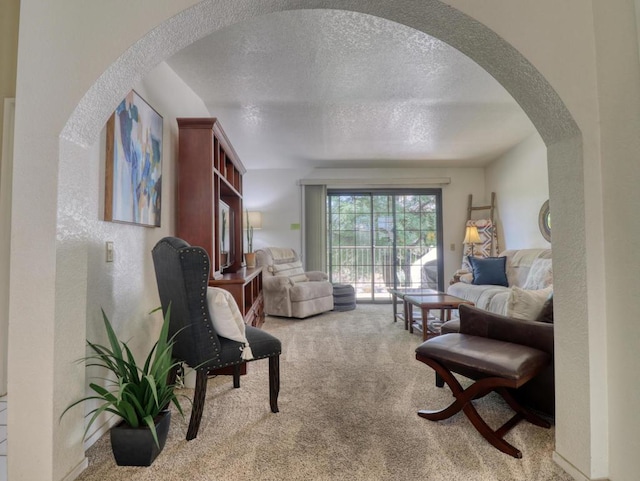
pixel 254 219
pixel 471 235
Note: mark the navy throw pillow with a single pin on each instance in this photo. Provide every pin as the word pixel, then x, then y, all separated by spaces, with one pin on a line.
pixel 489 270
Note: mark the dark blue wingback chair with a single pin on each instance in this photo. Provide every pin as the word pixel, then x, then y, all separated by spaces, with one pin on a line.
pixel 182 274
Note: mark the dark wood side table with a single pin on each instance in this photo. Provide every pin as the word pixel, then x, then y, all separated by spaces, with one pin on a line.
pixel 441 301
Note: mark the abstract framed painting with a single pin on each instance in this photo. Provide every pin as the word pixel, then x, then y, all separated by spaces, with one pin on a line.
pixel 133 167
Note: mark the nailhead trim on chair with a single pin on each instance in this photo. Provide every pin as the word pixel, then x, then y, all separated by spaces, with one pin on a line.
pixel 254 359
pixel 205 284
pixel 205 319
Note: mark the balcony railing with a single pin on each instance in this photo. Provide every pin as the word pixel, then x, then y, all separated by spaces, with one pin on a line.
pixel 372 270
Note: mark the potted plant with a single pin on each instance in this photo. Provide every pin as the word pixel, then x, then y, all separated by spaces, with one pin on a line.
pixel 249 256
pixel 139 394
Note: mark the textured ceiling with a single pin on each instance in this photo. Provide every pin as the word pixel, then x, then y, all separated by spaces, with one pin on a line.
pixel 332 88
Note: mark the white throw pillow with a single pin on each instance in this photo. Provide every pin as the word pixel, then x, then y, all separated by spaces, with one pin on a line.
pixel 526 303
pixel 467 278
pixel 227 319
pixel 540 275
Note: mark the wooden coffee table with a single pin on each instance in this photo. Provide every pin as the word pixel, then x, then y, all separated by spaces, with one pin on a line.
pixel 400 293
pixel 444 302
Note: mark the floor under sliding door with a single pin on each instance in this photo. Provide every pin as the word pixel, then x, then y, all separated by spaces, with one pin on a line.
pixel 384 238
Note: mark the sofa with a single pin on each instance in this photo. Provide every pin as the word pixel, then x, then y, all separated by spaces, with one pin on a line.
pixel 288 290
pixel 516 283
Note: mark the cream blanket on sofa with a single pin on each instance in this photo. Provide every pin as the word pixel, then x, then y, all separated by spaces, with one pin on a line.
pixel 530 276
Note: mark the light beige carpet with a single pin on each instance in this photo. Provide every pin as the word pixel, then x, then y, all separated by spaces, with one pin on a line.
pixel 350 390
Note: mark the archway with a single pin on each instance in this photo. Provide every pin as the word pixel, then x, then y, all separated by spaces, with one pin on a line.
pixel 433 17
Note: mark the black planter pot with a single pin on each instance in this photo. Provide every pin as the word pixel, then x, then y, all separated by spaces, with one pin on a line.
pixel 136 446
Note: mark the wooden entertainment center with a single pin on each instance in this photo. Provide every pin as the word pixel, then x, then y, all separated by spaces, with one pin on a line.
pixel 210 191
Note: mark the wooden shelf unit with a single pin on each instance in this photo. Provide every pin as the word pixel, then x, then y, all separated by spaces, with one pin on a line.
pixel 246 288
pixel 209 172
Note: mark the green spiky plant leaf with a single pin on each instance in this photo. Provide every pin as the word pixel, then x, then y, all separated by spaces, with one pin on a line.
pixel 137 394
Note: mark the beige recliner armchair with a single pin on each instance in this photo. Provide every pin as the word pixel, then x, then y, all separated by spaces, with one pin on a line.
pixel 288 290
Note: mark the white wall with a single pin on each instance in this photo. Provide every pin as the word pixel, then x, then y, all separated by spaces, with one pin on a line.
pixel 6 167
pixel 9 14
pixel 560 39
pixel 582 55
pixel 520 180
pixel 277 194
pixel 619 95
pixel 9 10
pixel 125 289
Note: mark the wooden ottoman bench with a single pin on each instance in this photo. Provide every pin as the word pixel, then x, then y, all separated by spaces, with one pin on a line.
pixel 496 366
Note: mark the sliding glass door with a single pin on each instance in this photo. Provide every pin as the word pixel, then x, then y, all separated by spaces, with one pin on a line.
pixel 380 238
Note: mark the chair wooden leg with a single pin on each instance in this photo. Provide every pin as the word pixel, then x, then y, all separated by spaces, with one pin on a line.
pixel 198 403
pixel 274 382
pixel 172 377
pixel 236 375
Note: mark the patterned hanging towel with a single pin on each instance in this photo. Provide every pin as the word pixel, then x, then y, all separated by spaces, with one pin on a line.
pixel 487 247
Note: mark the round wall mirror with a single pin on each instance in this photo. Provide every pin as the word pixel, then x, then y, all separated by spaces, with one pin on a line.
pixel 544 221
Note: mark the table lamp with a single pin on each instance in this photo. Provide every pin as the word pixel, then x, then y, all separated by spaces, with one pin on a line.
pixel 472 237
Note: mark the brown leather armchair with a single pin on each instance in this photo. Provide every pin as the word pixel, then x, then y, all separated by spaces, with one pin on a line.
pixel 539 393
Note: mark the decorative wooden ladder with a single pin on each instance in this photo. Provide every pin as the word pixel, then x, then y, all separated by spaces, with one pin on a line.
pixel 491 208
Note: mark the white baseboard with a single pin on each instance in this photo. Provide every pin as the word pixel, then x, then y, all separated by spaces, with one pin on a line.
pixel 97 434
pixel 75 472
pixel 571 470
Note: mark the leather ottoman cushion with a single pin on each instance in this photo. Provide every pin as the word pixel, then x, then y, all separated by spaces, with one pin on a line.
pixel 490 357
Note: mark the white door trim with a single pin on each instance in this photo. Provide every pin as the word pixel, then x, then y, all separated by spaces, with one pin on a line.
pixel 6 174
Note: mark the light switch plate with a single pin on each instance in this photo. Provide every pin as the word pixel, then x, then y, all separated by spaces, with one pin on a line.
pixel 109 251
